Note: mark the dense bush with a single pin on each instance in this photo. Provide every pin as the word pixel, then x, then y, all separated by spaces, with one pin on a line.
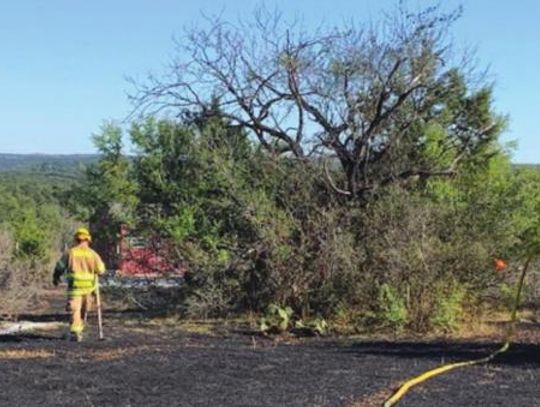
pixel 34 227
pixel 20 279
pixel 30 209
pixel 257 231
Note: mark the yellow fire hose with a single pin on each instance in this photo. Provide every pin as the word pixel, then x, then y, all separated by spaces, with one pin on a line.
pixel 409 384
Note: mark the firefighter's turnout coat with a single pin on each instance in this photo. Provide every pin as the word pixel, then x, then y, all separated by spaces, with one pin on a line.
pixel 81 264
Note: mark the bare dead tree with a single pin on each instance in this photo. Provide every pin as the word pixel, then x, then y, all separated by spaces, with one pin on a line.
pixel 389 101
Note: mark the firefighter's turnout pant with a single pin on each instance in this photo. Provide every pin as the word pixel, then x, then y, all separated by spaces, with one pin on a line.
pixel 78 306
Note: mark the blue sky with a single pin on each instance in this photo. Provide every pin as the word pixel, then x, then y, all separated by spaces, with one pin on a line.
pixel 63 62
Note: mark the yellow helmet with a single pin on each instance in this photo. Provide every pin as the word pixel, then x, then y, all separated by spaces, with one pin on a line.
pixel 83 234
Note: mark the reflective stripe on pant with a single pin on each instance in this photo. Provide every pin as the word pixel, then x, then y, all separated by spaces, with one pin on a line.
pixel 80 284
pixel 78 306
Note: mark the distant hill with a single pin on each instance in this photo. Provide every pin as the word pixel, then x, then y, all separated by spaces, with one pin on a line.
pixel 71 165
pixel 533 166
pixel 52 164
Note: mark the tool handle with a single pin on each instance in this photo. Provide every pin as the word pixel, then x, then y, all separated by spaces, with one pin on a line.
pixel 98 308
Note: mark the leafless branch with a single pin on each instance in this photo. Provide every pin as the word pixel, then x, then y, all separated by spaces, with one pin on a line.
pixel 362 94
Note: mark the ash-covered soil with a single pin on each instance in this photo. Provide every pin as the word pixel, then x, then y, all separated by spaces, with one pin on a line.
pixel 161 362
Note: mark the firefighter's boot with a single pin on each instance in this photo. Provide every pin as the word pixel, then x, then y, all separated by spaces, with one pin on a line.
pixel 76 337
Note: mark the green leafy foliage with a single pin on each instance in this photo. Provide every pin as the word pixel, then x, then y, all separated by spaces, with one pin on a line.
pixel 448 308
pixel 30 207
pixel 393 312
pixel 276 319
pixel 106 196
pixel 33 225
pixel 254 230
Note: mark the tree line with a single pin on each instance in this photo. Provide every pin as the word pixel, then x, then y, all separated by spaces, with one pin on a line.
pixel 353 173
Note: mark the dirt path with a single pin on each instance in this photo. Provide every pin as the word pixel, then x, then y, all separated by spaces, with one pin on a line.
pixel 163 363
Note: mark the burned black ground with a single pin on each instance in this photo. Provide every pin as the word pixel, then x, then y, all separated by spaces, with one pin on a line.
pixel 163 363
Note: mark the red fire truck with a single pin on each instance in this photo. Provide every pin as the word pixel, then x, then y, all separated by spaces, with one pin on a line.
pixel 132 255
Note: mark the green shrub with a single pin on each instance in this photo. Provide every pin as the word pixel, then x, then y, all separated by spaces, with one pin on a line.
pixel 393 311
pixel 276 319
pixel 506 295
pixel 448 310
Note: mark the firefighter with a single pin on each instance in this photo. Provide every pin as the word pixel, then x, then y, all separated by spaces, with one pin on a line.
pixel 82 265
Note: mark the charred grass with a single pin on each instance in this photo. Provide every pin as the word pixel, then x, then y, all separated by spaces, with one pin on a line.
pixel 171 362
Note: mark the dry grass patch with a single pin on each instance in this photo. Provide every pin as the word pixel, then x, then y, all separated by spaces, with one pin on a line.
pixel 108 355
pixel 197 327
pixel 15 354
pixel 203 327
pixel 373 400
